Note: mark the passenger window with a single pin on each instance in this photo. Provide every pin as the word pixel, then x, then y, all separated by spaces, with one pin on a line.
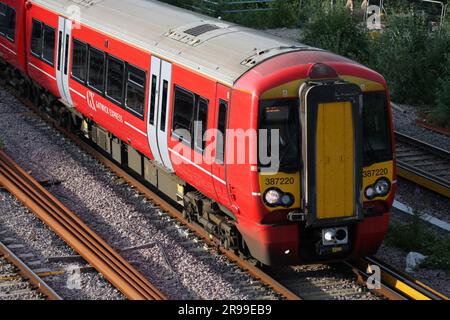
pixel 9 23
pixel 201 124
pixel 3 10
pixel 79 61
pixel 153 100
pixel 96 76
pixel 48 53
pixel 183 113
pixel 36 38
pixel 221 128
pixel 135 91
pixel 164 105
pixel 114 84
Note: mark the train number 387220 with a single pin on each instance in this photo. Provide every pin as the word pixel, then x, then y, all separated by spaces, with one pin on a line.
pixel 375 173
pixel 279 181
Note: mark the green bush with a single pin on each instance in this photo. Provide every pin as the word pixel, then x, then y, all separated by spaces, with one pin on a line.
pixel 277 14
pixel 416 236
pixel 337 30
pixel 441 113
pixel 411 57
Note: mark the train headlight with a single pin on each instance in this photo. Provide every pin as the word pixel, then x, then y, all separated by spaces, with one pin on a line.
pixel 382 187
pixel 273 197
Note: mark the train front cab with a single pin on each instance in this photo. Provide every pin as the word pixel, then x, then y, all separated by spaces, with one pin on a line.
pixel 330 196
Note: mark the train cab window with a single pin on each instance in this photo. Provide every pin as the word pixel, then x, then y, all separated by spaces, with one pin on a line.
pixel 376 130
pixel 135 91
pixel 48 52
pixel 183 114
pixel 36 38
pixel 115 79
pixel 221 128
pixel 281 116
pixel 79 60
pixel 96 76
pixel 201 124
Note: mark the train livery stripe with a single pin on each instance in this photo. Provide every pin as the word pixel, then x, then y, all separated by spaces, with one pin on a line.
pixel 135 129
pixel 77 93
pixel 37 68
pixel 13 52
pixel 197 166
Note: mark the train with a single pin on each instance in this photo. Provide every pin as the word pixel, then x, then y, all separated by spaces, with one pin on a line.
pixel 282 151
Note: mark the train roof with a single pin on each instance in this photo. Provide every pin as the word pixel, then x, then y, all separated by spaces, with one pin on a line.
pixel 216 48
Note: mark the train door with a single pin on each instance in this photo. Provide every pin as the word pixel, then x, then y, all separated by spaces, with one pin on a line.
pixel 158 110
pixel 221 123
pixel 62 64
pixel 331 138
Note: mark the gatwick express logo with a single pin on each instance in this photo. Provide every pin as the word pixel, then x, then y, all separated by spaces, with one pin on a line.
pixel 90 98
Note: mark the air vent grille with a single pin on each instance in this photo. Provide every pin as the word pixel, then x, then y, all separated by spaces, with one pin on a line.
pixel 199 30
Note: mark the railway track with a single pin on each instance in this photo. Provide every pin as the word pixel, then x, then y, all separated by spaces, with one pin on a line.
pixel 75 233
pixel 423 164
pixel 287 288
pixel 19 282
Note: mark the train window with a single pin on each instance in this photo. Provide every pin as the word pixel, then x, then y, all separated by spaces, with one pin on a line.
pixel 115 79
pixel 183 114
pixel 151 115
pixel 48 52
pixel 9 23
pixel 281 116
pixel 164 105
pixel 96 75
pixel 135 91
pixel 201 124
pixel 376 130
pixel 36 38
pixel 3 10
pixel 79 60
pixel 221 128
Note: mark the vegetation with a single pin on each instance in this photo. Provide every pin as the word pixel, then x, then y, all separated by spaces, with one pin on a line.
pixel 417 236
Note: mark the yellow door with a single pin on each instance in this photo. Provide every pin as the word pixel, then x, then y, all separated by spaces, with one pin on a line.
pixel 335 161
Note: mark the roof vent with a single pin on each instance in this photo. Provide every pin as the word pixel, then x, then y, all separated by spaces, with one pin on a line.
pixel 196 31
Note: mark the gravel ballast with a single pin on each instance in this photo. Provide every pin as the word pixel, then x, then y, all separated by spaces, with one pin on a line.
pixel 178 267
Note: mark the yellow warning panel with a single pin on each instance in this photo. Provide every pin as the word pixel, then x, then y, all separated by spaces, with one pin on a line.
pixel 335 161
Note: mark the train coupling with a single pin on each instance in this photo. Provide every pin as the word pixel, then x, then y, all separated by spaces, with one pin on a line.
pixel 297 216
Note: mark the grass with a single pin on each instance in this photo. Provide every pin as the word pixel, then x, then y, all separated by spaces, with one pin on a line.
pixel 417 236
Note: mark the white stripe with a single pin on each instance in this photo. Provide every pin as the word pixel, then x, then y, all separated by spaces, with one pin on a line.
pixel 198 167
pixel 49 75
pixel 76 92
pixel 13 52
pixel 256 194
pixel 133 127
pixel 425 216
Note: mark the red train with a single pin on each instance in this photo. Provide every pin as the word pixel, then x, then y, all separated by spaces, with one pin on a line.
pixel 283 151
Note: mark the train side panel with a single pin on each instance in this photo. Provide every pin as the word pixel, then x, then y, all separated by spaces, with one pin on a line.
pixel 126 124
pixel 41 55
pixel 12 38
